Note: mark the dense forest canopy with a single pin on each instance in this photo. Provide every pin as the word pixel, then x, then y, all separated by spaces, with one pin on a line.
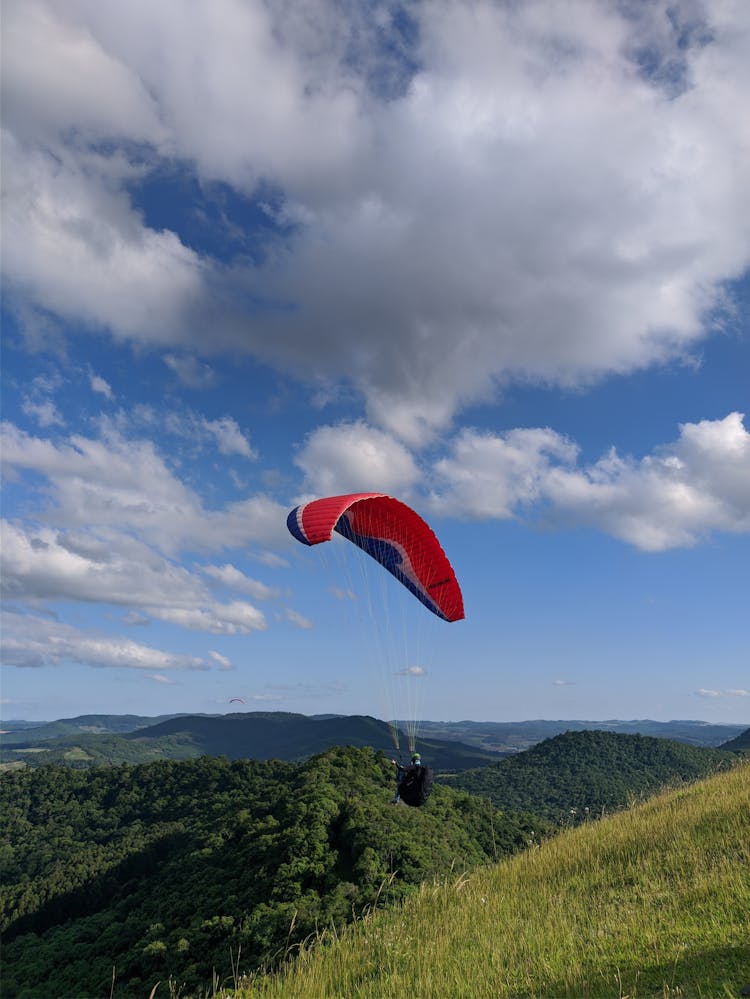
pixel 580 774
pixel 160 869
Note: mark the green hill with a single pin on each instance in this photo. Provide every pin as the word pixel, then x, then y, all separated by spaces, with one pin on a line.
pixel 247 735
pixel 742 742
pixel 579 775
pixel 18 733
pixel 653 901
pixel 508 737
pixel 169 869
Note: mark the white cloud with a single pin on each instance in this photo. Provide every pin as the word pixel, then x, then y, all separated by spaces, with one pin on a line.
pixel 229 438
pixel 235 618
pixel 223 662
pixel 671 498
pixel 412 671
pixel 489 475
pixel 703 692
pixel 45 413
pixel 341 593
pixel 191 372
pixel 196 430
pixel 112 483
pixel 47 565
pixel 228 575
pixel 161 678
pixel 38 404
pixel 74 248
pixel 298 620
pixel 100 385
pixel 33 641
pixel 354 457
pixel 563 683
pixel 513 197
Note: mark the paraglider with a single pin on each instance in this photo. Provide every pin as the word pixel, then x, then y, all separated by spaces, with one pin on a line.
pixel 413 782
pixel 396 537
pixel 233 699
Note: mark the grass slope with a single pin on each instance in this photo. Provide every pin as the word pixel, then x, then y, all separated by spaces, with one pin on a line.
pixel 654 901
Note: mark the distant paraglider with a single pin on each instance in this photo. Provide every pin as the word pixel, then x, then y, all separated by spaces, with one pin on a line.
pixel 232 700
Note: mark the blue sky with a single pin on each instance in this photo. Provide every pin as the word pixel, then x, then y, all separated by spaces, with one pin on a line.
pixel 490 258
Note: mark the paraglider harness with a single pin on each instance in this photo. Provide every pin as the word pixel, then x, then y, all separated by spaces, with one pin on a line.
pixel 413 782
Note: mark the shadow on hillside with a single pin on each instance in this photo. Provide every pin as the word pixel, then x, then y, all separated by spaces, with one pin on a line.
pixel 720 972
pixel 96 893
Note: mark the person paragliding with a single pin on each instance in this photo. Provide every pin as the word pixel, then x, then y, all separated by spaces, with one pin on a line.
pixel 413 782
pixel 396 537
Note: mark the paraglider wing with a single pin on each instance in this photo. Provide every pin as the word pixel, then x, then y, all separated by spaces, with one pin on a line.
pixel 394 535
pixel 233 699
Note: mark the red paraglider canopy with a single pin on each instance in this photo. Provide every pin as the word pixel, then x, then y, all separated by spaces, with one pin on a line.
pixel 394 535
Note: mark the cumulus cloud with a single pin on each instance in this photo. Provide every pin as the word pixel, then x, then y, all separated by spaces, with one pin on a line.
pixel 229 438
pixel 355 457
pixel 37 402
pixel 231 577
pixel 671 498
pixel 224 433
pixel 45 413
pixel 100 385
pixel 223 662
pixel 490 475
pixel 503 191
pixel 116 519
pixel 47 565
pixel 33 641
pixel 112 482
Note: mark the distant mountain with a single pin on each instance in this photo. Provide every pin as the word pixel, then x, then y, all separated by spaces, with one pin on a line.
pixel 741 742
pixel 251 735
pixel 511 737
pixel 581 774
pixel 15 732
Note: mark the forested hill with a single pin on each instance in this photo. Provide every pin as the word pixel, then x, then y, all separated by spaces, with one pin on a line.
pixel 742 742
pixel 246 735
pixel 17 732
pixel 580 774
pixel 176 868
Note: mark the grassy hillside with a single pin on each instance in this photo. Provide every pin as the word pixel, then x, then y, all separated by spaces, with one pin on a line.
pixel 247 735
pixel 578 775
pixel 653 901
